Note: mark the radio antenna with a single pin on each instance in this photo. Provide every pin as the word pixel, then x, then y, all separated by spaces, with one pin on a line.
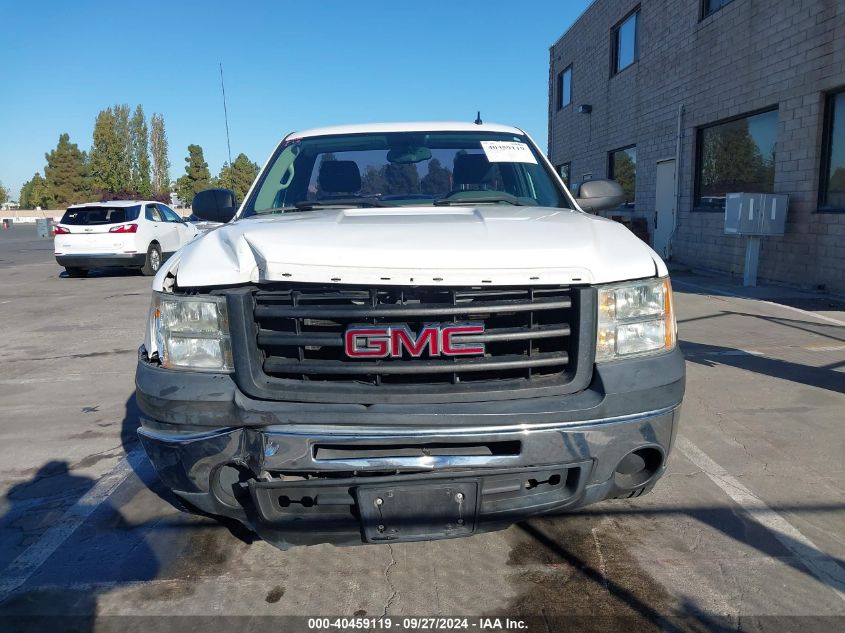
pixel 478 118
pixel 226 118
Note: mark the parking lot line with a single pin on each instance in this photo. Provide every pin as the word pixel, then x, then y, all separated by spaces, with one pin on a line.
pixel 719 291
pixel 20 569
pixel 822 566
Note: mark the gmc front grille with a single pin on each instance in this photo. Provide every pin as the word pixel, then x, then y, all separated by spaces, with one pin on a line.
pixel 533 337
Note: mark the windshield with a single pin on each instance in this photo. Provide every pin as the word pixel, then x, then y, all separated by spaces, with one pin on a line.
pixel 404 168
pixel 100 215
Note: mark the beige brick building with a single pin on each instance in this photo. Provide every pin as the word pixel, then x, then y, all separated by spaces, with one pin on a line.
pixel 727 95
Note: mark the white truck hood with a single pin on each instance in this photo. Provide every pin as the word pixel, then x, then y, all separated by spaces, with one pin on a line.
pixel 494 245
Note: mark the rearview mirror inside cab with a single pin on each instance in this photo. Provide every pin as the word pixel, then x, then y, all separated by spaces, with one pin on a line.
pixel 215 205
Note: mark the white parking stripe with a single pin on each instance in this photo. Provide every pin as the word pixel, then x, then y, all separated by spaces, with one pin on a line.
pixel 822 566
pixel 20 569
pixel 718 291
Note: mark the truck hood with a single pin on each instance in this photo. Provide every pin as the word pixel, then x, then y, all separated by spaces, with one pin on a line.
pixel 494 245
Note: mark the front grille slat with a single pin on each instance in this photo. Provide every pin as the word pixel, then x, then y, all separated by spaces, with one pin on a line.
pixel 268 337
pixel 530 334
pixel 407 310
pixel 402 367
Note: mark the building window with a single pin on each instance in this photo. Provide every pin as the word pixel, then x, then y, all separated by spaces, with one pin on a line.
pixel 736 156
pixel 625 44
pixel 832 189
pixel 564 88
pixel 622 167
pixel 563 169
pixel 709 7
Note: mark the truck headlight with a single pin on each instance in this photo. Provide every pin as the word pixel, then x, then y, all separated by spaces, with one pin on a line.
pixel 192 332
pixel 634 319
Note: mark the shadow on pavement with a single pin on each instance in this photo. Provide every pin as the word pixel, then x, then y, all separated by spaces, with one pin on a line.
pixel 42 589
pixel 825 330
pixel 104 272
pixel 714 355
pixel 575 577
pixel 60 549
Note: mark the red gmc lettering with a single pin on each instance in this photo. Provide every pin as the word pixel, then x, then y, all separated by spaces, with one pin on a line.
pixel 395 340
pixel 403 337
pixel 459 349
pixel 367 343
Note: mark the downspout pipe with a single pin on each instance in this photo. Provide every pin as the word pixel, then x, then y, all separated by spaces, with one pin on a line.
pixel 678 141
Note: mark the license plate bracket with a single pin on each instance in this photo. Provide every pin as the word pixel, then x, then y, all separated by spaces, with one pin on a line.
pixel 418 512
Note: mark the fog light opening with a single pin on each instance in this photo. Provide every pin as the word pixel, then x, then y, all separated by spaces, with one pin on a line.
pixel 226 484
pixel 638 467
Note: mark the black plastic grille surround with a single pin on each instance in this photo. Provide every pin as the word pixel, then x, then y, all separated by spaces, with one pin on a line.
pixel 292 337
pixel 301 332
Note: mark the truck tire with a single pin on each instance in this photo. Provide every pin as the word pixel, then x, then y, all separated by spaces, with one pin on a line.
pixel 153 261
pixel 76 272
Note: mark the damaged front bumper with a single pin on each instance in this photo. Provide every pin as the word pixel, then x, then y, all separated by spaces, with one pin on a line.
pixel 298 473
pixel 299 498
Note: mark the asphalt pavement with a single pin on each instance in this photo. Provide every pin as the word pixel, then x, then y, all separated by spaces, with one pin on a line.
pixel 745 532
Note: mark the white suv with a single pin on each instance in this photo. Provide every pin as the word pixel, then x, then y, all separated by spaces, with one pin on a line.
pixel 119 233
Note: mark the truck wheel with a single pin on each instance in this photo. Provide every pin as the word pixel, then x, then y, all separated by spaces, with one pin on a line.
pixel 153 261
pixel 76 272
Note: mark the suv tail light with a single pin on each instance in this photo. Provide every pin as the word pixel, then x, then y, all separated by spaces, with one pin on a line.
pixel 124 228
pixel 60 230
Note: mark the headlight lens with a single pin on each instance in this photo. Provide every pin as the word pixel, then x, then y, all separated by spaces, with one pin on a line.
pixel 635 318
pixel 191 332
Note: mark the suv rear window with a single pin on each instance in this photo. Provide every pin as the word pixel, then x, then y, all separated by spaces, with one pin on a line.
pixel 101 215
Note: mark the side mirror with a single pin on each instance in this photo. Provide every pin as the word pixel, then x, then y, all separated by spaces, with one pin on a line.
pixel 597 195
pixel 214 205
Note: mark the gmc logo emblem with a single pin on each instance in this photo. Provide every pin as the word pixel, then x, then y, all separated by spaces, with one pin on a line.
pixel 435 339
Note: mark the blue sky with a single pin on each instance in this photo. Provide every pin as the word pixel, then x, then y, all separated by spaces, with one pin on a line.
pixel 288 66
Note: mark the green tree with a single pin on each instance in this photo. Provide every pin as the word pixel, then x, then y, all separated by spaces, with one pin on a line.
pixel 161 164
pixel 373 182
pixel 625 173
pixel 65 173
pixel 25 195
pixel 111 153
pixel 196 178
pixel 4 193
pixel 731 160
pixel 239 176
pixel 438 180
pixel 401 178
pixel 105 154
pixel 141 183
pixel 123 131
pixel 35 193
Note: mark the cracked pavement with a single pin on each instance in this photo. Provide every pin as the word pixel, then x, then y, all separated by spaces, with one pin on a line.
pixel 765 402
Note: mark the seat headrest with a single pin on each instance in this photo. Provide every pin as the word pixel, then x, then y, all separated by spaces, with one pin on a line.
pixel 338 176
pixel 472 169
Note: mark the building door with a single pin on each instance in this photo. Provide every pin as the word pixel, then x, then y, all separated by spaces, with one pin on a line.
pixel 664 203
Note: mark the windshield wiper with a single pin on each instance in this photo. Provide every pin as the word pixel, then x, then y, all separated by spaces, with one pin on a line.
pixel 285 209
pixel 306 205
pixel 501 197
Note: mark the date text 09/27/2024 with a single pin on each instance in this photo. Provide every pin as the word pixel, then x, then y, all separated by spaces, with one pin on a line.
pixel 417 624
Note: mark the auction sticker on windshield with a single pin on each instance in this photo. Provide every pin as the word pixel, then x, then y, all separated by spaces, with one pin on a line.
pixel 508 152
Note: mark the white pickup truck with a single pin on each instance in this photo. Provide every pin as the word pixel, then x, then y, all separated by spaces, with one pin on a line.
pixel 408 332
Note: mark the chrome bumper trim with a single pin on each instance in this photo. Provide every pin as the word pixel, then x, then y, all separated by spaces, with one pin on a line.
pixel 363 432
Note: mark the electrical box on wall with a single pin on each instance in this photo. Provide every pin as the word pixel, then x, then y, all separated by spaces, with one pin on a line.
pixel 755 213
